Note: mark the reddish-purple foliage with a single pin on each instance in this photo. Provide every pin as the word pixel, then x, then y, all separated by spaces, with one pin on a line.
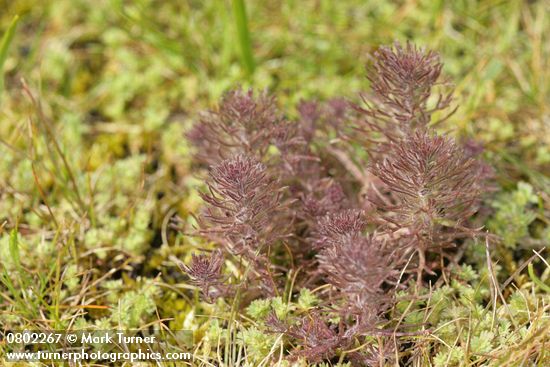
pixel 358 265
pixel 297 196
pixel 242 124
pixel 241 214
pixel 206 273
pixel 402 80
pixel 433 182
pixel 241 202
pixel 320 340
pixel 335 228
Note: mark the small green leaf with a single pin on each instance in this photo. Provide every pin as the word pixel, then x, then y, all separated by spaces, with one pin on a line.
pixel 307 299
pixel 259 309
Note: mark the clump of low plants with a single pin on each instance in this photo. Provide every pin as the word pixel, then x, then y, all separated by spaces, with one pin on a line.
pixel 360 202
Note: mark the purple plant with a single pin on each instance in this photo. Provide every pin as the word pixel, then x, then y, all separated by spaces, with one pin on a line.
pixel 402 81
pixel 320 340
pixel 434 190
pixel 242 124
pixel 241 212
pixel 360 267
pixel 206 273
pixel 240 199
pixel 287 196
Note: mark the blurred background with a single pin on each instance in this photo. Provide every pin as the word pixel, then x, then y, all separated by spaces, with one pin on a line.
pixel 97 96
pixel 124 61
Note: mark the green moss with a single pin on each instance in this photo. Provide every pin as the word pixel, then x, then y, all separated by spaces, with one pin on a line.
pixel 514 214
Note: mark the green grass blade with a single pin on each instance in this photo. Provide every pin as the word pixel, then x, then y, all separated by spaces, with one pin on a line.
pixel 239 10
pixel 14 249
pixel 536 279
pixel 4 47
